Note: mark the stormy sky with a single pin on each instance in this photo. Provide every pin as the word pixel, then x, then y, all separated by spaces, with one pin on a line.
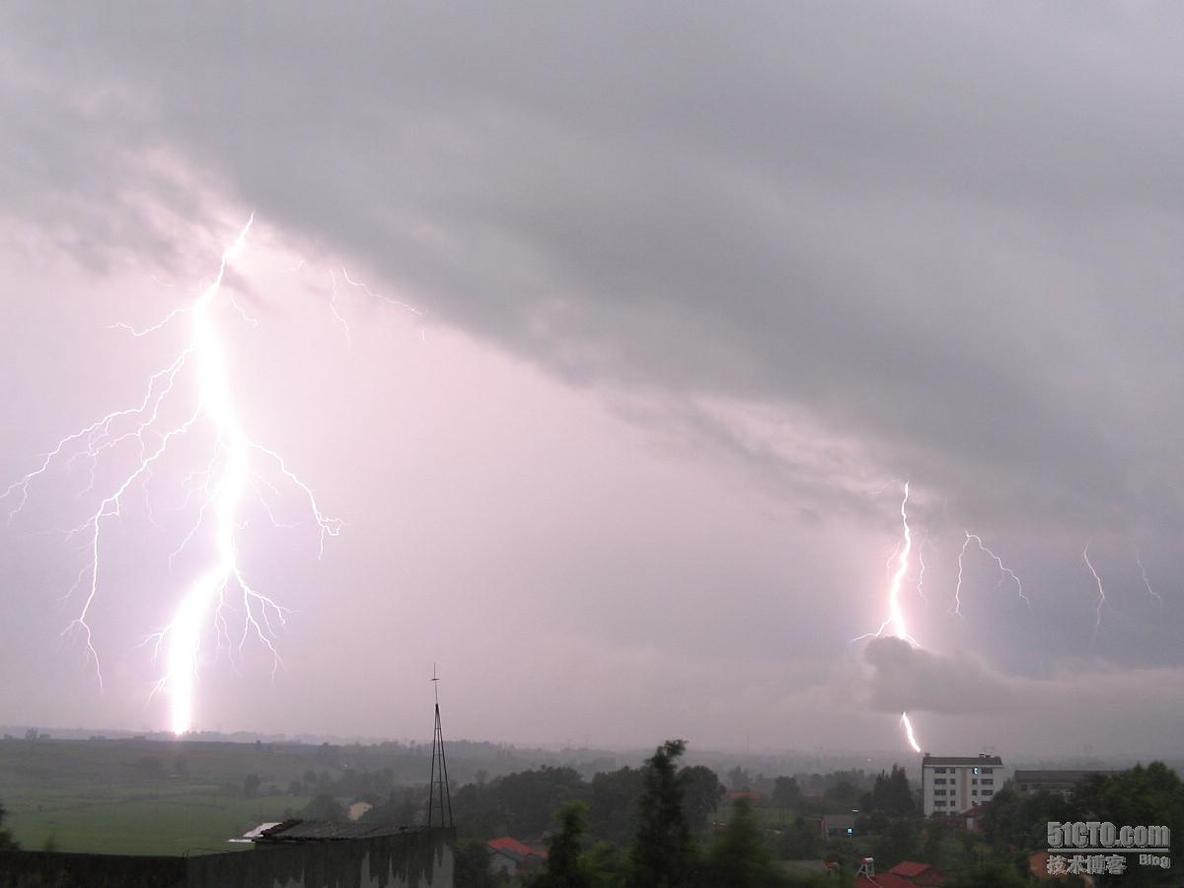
pixel 663 303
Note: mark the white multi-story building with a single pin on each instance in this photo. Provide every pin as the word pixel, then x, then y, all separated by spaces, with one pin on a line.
pixel 953 784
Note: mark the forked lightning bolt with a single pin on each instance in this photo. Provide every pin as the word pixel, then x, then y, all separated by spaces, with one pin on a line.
pixel 1006 573
pixel 227 479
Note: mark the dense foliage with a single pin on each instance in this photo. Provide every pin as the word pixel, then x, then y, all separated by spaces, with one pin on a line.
pixel 6 842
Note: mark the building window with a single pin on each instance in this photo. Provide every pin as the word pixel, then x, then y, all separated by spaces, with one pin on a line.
pixel 988 792
pixel 939 770
pixel 974 792
pixel 974 780
pixel 939 781
pixel 939 792
pixel 988 770
pixel 988 781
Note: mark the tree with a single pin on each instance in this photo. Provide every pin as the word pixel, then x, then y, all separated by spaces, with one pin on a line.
pixel 324 807
pixel 891 795
pixel 564 867
pixel 612 804
pixel 842 794
pixel 701 794
pixel 937 829
pixel 800 841
pixel 738 858
pixel 898 842
pixel 663 854
pixel 471 866
pixel 6 842
pixel 991 875
pixel 786 793
pixel 739 780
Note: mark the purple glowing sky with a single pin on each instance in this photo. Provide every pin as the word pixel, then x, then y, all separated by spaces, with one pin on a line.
pixel 696 294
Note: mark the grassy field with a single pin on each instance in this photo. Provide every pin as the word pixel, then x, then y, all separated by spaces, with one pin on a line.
pixel 126 820
pixel 144 797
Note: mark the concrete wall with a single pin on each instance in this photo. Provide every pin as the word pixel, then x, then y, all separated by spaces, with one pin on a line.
pixel 52 869
pixel 419 859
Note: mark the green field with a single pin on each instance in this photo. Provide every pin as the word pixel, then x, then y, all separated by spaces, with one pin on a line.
pixel 126 820
pixel 143 797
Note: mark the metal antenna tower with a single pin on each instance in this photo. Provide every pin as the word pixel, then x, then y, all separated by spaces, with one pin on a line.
pixel 439 797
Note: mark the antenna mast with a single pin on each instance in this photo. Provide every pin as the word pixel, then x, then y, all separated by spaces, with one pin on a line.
pixel 439 797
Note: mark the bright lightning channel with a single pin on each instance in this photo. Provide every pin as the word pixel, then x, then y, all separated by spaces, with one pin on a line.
pixel 228 480
pixel 1101 591
pixel 895 623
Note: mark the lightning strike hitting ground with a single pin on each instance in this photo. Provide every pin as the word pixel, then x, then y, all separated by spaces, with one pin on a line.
pixel 228 479
pixel 1101 591
pixel 895 623
pixel 1006 572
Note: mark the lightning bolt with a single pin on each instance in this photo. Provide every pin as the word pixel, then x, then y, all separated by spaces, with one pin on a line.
pixel 895 622
pixel 229 478
pixel 1146 581
pixel 1006 573
pixel 908 732
pixel 1101 591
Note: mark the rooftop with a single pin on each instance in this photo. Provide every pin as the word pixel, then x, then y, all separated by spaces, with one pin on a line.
pixel 296 830
pixel 980 759
pixel 514 848
pixel 909 868
pixel 1070 776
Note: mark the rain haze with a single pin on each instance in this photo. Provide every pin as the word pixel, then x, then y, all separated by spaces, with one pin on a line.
pixel 611 337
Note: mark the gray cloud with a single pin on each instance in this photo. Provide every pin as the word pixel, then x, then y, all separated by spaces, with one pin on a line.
pixel 1135 704
pixel 904 241
pixel 948 231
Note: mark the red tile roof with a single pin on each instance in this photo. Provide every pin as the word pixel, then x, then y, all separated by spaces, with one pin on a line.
pixel 514 847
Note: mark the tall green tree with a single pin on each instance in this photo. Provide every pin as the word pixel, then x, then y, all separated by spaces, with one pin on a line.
pixel 612 805
pixel 701 795
pixel 786 793
pixel 664 853
pixel 565 867
pixel 891 795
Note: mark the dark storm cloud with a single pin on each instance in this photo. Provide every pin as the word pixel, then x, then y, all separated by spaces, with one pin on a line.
pixel 835 243
pixel 949 230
